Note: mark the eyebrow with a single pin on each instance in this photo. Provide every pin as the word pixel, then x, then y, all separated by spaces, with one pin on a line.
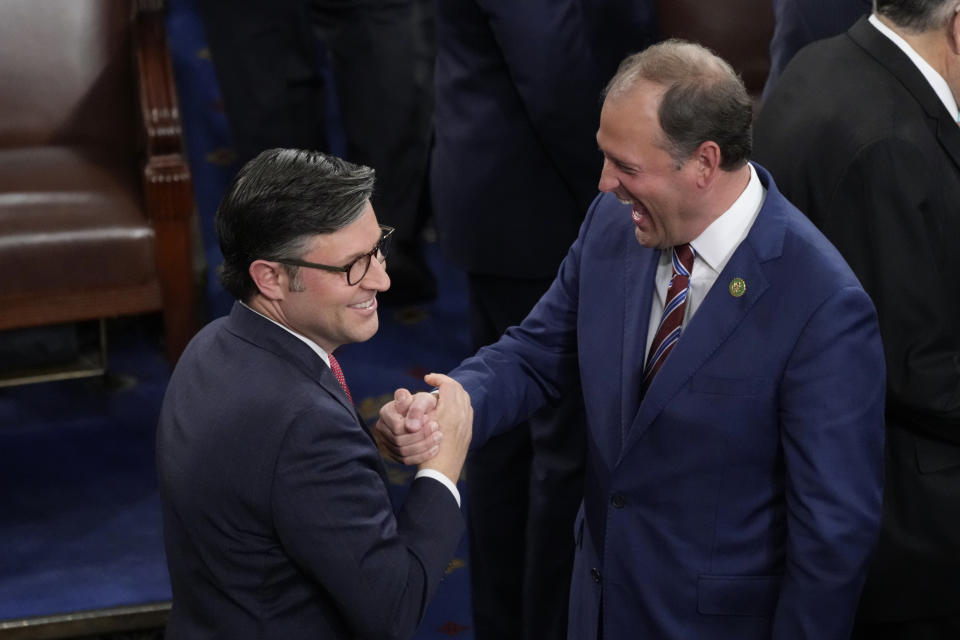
pixel 607 154
pixel 618 161
pixel 362 253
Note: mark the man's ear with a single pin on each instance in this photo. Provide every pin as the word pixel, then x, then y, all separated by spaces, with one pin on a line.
pixel 953 33
pixel 707 160
pixel 270 277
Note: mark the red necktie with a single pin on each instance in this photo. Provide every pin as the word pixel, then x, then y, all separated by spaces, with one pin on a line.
pixel 670 323
pixel 338 374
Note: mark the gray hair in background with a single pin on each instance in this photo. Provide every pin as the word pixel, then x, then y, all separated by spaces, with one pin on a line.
pixel 916 15
pixel 277 202
pixel 704 100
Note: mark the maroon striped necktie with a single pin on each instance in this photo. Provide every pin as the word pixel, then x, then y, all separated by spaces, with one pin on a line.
pixel 673 308
pixel 338 374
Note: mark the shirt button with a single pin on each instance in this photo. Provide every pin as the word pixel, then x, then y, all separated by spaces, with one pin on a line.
pixel 595 574
pixel 617 501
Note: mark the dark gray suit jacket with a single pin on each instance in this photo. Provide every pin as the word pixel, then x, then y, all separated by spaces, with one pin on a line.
pixel 277 520
pixel 859 141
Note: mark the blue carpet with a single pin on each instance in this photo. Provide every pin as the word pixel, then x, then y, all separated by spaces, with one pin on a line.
pixel 80 525
pixel 80 521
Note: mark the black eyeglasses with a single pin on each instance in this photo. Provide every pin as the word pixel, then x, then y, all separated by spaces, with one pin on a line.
pixel 359 267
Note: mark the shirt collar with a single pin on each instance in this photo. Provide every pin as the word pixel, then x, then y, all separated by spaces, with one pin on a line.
pixel 934 79
pixel 307 341
pixel 718 241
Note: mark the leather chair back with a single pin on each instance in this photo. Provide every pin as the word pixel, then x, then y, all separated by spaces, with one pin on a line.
pixel 66 64
pixel 96 206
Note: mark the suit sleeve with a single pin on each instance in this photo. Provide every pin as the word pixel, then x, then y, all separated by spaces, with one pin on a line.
pixel 895 233
pixel 334 517
pixel 534 363
pixel 831 430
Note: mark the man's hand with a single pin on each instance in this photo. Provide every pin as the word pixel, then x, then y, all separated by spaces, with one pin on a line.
pixel 454 415
pixel 406 430
pixel 409 429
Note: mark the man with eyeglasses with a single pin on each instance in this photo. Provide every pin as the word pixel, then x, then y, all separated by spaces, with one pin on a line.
pixel 277 520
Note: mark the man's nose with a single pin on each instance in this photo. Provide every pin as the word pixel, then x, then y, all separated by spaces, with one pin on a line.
pixel 608 181
pixel 376 277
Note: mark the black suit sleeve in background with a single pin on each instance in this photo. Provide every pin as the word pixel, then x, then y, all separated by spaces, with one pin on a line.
pixel 894 234
pixel 858 139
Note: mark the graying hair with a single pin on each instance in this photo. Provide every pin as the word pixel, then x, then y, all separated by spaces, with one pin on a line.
pixel 704 99
pixel 916 16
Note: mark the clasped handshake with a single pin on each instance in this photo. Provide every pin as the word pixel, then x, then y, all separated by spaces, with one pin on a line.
pixel 430 430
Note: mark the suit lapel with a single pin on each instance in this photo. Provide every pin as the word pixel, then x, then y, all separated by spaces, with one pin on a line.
pixel 256 329
pixel 717 317
pixel 889 56
pixel 948 133
pixel 639 269
pixel 251 326
pixel 719 314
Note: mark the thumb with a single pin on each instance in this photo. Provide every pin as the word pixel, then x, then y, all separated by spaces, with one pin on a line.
pixel 421 404
pixel 401 401
pixel 436 379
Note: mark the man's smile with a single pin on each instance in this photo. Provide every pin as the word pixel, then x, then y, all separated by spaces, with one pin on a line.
pixel 366 304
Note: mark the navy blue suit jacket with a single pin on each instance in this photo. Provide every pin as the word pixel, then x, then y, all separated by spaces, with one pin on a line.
pixel 277 520
pixel 741 498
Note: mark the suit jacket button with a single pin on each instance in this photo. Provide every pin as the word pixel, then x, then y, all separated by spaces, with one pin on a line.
pixel 595 574
pixel 617 501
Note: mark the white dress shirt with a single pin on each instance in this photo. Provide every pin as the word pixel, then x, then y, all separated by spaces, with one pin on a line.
pixel 713 248
pixel 935 80
pixel 422 473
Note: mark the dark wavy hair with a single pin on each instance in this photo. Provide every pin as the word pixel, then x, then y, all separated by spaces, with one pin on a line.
pixel 277 202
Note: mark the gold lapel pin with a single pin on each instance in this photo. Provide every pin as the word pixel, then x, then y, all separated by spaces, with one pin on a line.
pixel 737 287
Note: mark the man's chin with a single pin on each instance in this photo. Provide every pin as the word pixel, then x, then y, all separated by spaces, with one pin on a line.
pixel 645 239
pixel 368 330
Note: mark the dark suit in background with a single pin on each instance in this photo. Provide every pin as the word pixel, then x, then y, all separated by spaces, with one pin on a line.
pixel 269 61
pixel 858 139
pixel 797 23
pixel 514 167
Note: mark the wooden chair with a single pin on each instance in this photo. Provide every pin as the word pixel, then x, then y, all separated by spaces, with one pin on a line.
pixel 96 203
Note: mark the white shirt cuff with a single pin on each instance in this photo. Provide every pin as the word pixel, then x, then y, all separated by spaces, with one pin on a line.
pixel 442 479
